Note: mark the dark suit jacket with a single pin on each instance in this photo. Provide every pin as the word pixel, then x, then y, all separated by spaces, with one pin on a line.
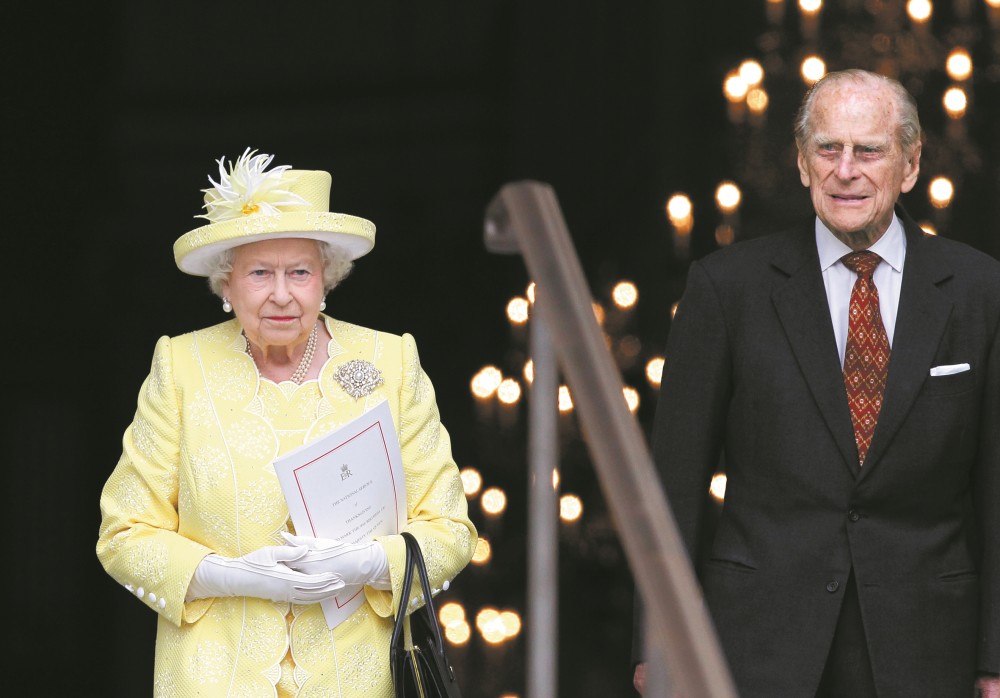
pixel 752 375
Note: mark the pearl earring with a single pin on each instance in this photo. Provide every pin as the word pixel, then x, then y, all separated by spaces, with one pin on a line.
pixel 226 305
pixel 322 305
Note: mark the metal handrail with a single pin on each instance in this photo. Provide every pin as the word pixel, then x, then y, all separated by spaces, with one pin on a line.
pixel 524 217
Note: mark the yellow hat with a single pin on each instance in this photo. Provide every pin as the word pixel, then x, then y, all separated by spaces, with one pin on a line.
pixel 250 203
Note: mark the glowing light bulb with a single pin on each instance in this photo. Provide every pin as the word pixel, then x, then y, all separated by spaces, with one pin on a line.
pixel 813 68
pixel 565 400
pixel 486 381
pixel 509 391
pixel 718 486
pixel 919 10
pixel 511 623
pixel 654 371
pixel 728 196
pixel 472 481
pixel 631 398
pixel 959 64
pixel 458 634
pixel 517 310
pixel 941 192
pixel 752 72
pixel 483 552
pixel 735 88
pixel 680 212
pixel 451 613
pixel 625 294
pixel 494 501
pixel 679 207
pixel 758 100
pixel 490 626
pixel 955 102
pixel 570 508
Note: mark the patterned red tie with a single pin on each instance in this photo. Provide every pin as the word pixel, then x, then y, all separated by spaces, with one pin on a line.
pixel 866 359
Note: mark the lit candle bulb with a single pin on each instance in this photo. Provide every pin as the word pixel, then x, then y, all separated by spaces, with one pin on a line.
pixel 735 89
pixel 919 11
pixel 941 192
pixel 955 102
pixel 727 198
pixel 812 69
pixel 810 18
pixel 757 101
pixel 680 213
pixel 775 11
pixel 993 11
pixel 959 64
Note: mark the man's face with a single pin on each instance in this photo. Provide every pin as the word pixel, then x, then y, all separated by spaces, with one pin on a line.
pixel 853 164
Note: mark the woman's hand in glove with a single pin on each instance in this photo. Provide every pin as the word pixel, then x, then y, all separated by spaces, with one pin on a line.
pixel 263 574
pixel 355 564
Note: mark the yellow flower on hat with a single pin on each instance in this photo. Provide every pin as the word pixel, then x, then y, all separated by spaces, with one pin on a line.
pixel 248 188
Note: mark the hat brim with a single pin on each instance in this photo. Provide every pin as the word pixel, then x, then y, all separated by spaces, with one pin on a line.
pixel 194 251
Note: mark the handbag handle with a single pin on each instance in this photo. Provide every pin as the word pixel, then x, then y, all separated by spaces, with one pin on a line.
pixel 415 559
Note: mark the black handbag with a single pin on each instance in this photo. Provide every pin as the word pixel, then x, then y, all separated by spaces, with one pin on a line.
pixel 420 666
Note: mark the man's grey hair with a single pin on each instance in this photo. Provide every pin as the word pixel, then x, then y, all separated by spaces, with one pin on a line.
pixel 908 132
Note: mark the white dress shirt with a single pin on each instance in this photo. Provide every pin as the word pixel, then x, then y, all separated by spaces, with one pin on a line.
pixel 839 280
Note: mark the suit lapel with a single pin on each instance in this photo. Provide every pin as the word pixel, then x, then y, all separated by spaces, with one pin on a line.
pixel 800 301
pixel 920 321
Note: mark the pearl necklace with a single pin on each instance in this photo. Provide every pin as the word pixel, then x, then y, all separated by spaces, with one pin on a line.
pixel 304 364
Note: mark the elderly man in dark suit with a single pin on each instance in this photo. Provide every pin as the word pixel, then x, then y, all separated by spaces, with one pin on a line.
pixel 847 374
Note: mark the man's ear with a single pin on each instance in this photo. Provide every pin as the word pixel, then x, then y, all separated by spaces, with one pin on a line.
pixel 803 170
pixel 911 169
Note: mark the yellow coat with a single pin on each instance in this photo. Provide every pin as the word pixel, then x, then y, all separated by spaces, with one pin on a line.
pixel 195 477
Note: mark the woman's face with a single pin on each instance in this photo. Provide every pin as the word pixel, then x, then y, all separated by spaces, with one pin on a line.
pixel 276 287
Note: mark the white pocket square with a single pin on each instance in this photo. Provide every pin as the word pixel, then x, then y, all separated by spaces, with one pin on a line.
pixel 949 370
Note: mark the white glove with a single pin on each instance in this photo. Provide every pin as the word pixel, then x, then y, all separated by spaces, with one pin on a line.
pixel 262 574
pixel 355 564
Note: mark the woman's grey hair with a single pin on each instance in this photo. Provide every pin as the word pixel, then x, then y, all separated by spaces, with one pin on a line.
pixel 908 132
pixel 336 266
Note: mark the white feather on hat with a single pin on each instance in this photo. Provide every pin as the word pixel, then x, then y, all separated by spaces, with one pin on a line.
pixel 250 203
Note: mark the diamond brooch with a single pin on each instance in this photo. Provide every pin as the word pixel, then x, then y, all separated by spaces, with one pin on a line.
pixel 358 377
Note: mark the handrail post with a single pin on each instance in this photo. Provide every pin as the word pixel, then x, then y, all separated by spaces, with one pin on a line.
pixel 657 676
pixel 525 217
pixel 543 549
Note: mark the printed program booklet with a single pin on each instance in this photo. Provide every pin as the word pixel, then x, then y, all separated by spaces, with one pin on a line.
pixel 348 485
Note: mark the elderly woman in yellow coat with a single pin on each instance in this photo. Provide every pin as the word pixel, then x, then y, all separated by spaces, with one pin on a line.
pixel 194 522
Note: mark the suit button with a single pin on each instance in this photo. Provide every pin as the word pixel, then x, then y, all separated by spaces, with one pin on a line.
pixel 853 515
pixel 832 586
